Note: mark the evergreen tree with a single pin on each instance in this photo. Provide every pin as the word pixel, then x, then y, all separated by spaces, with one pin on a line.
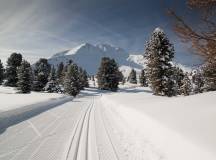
pixel 178 76
pixel 143 81
pixel 13 62
pixel 209 73
pixel 71 82
pixel 60 73
pixel 1 72
pixel 24 77
pixel 159 54
pixel 186 88
pixel 198 81
pixel 132 77
pixel 121 77
pixel 52 85
pixel 108 75
pixel 42 72
pixel 83 78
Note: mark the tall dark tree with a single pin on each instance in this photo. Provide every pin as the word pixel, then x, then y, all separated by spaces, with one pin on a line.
pixel 143 81
pixel 209 73
pixel 108 74
pixel 159 54
pixel 83 78
pixel 71 82
pixel 178 76
pixel 132 77
pixel 1 72
pixel 42 72
pixel 52 85
pixel 13 62
pixel 24 83
pixel 60 73
pixel 186 88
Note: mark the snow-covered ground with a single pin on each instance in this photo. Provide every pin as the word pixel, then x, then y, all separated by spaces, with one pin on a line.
pixel 11 100
pixel 131 124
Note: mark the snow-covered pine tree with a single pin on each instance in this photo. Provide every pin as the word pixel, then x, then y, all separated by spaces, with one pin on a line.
pixel 143 81
pixel 71 81
pixel 108 75
pixel 1 72
pixel 83 78
pixel 132 77
pixel 24 83
pixel 186 87
pixel 198 82
pixel 52 85
pixel 121 77
pixel 178 76
pixel 41 74
pixel 60 73
pixel 13 62
pixel 159 54
pixel 209 73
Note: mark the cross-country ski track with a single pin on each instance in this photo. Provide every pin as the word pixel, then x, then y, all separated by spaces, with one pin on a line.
pixel 88 127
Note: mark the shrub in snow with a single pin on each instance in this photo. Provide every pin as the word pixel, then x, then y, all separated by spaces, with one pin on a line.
pixel 132 77
pixel 24 77
pixel 108 74
pixel 159 54
pixel 143 81
pixel 13 62
pixel 71 81
pixel 1 72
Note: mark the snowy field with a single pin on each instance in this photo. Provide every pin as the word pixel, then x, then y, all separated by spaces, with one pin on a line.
pixel 129 125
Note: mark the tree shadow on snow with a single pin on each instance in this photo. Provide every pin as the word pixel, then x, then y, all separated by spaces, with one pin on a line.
pixel 134 90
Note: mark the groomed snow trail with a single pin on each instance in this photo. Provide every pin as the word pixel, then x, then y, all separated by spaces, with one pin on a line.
pixel 82 129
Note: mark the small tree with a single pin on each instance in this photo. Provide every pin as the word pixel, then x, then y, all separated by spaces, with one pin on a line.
pixel 1 72
pixel 71 82
pixel 108 75
pixel 24 77
pixel 209 73
pixel 198 81
pixel 178 77
pixel 186 88
pixel 159 54
pixel 132 77
pixel 143 81
pixel 13 62
pixel 52 85
pixel 42 72
pixel 83 78
pixel 60 73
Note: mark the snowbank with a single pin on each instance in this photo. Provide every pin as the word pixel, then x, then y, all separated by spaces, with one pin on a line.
pixel 182 127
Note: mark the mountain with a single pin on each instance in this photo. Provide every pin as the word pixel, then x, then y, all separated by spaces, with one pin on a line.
pixel 89 56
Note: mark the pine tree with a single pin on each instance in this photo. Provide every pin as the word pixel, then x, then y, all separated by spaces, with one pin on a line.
pixel 186 88
pixel 13 62
pixel 198 81
pixel 132 77
pixel 83 78
pixel 209 73
pixel 108 75
pixel 71 82
pixel 52 85
pixel 143 81
pixel 42 72
pixel 178 76
pixel 24 77
pixel 159 54
pixel 60 73
pixel 1 72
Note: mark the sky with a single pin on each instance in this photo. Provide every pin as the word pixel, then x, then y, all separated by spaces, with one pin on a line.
pixel 41 28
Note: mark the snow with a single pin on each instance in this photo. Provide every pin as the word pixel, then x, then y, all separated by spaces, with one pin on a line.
pixel 11 100
pixel 181 127
pixel 129 124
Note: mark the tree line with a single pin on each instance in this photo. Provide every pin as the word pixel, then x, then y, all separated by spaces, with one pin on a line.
pixel 68 78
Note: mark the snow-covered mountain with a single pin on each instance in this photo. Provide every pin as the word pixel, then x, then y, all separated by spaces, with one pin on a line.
pixel 89 56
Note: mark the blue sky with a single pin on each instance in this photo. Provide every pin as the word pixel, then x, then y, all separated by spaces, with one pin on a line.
pixel 40 28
